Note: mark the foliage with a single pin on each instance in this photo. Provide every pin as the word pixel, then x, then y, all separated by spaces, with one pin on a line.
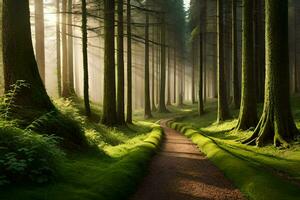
pixel 93 176
pixel 27 156
pixel 7 101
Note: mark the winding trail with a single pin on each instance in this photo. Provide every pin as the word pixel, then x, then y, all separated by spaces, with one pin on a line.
pixel 180 172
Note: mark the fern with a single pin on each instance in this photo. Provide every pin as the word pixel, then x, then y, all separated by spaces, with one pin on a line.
pixel 7 102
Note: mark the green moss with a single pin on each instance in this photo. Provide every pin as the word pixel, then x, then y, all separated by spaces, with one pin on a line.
pixel 94 176
pixel 254 179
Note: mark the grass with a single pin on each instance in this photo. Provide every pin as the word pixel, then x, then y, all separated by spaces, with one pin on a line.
pixel 111 170
pixel 249 167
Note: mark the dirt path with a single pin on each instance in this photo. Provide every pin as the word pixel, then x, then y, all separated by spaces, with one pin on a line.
pixel 181 172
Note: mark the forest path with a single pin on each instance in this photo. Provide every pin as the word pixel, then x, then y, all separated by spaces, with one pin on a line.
pixel 180 171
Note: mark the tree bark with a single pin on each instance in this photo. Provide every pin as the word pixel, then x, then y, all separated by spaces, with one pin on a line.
pixel 276 123
pixel 169 75
pixel 223 110
pixel 120 80
pixel 193 71
pixel 235 70
pixel 65 77
pixel 85 59
pixel 70 48
pixel 248 111
pixel 153 72
pixel 200 87
pixel 147 103
pixel 58 51
pixel 109 102
pixel 175 74
pixel 18 58
pixel 162 96
pixel 129 66
pixel 40 37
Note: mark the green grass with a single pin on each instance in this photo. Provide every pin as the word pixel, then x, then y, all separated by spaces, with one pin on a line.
pixel 110 170
pixel 260 173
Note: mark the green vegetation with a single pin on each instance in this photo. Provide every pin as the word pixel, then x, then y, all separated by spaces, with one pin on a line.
pixel 109 168
pixel 249 167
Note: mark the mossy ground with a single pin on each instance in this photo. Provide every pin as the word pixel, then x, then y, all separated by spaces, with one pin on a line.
pixel 261 173
pixel 110 170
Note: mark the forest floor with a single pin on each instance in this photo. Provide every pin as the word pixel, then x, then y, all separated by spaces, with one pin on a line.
pixel 115 170
pixel 180 171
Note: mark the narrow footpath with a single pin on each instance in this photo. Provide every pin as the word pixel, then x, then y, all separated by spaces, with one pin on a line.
pixel 180 172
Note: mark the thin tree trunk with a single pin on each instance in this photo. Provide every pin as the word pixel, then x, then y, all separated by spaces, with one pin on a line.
pixel 129 66
pixel 40 37
pixel 162 96
pixel 153 71
pixel 200 87
pixel 109 102
pixel 169 75
pixel 65 77
pixel 193 71
pixel 235 71
pixel 58 51
pixel 120 80
pixel 147 103
pixel 85 59
pixel 70 48
pixel 296 87
pixel 175 74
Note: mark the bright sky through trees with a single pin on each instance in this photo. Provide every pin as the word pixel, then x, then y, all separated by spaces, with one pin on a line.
pixel 187 4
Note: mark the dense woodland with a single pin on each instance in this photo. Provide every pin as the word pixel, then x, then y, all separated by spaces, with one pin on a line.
pixel 99 86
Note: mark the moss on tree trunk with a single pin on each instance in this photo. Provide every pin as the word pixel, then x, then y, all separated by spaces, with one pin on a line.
pixel 276 123
pixel 248 111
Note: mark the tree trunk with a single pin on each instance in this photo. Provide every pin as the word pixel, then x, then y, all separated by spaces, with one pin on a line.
pixel 65 77
pixel 18 58
pixel 109 102
pixel 169 75
pixel 200 94
pixel 235 70
pixel 85 59
pixel 259 55
pixel 223 110
pixel 193 71
pixel 153 72
pixel 147 104
pixel 129 66
pixel 40 37
pixel 120 80
pixel 175 74
pixel 70 48
pixel 248 112
pixel 296 87
pixel 162 96
pixel 276 123
pixel 58 52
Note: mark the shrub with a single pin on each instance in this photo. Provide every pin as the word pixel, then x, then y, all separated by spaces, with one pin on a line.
pixel 55 123
pixel 27 156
